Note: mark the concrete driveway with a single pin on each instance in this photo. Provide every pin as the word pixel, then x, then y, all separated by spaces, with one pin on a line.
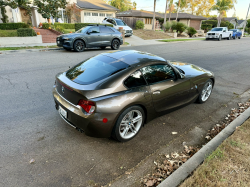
pixel 32 129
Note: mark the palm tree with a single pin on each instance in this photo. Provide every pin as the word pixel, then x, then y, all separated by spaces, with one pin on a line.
pixel 222 6
pixel 171 7
pixel 165 16
pixel 153 26
pixel 180 4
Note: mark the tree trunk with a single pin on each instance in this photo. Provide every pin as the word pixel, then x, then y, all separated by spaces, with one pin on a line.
pixel 165 17
pixel 178 8
pixel 153 26
pixel 169 15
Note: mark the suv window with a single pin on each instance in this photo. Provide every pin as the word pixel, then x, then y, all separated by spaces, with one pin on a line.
pixel 106 30
pixel 158 73
pixel 120 22
pixel 135 79
pixel 94 30
pixel 111 21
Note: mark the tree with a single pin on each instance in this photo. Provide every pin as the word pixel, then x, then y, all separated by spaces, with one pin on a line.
pixel 165 15
pixel 222 6
pixel 48 8
pixel 153 26
pixel 122 5
pixel 73 12
pixel 134 5
pixel 171 8
pixel 13 4
pixel 180 4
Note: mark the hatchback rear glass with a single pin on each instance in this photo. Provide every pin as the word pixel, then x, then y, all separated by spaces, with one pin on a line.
pixel 95 69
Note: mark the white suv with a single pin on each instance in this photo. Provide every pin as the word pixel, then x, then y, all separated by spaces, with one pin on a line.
pixel 118 23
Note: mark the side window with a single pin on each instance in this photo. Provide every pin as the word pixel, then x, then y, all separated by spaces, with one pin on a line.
pixel 111 21
pixel 158 73
pixel 134 80
pixel 94 30
pixel 105 30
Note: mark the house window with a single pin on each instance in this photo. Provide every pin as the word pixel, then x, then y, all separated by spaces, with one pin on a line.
pixel 102 14
pixel 109 15
pixel 94 14
pixel 87 14
pixel 148 21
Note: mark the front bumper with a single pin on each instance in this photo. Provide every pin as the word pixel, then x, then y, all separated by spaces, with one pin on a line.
pixel 64 43
pixel 212 37
pixel 92 125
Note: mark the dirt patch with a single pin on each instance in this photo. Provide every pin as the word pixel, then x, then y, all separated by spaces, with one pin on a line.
pixel 150 35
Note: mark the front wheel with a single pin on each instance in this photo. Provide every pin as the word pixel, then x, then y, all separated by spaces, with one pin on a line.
pixel 115 44
pixel 219 39
pixel 239 37
pixel 128 124
pixel 229 38
pixel 206 92
pixel 79 46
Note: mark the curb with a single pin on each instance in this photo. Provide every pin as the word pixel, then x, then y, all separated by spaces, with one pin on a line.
pixel 186 169
pixel 31 50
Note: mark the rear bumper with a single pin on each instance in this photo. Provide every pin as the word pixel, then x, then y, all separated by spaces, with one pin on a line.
pixel 92 125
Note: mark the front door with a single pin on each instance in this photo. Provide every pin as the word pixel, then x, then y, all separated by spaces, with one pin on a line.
pixel 106 35
pixel 166 89
pixel 94 37
pixel 25 16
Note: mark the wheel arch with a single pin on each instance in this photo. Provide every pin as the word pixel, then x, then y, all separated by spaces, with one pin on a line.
pixel 81 40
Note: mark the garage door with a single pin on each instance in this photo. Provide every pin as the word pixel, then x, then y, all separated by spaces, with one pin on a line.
pixel 195 24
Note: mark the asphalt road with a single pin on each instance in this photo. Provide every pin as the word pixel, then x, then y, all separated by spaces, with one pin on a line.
pixel 30 127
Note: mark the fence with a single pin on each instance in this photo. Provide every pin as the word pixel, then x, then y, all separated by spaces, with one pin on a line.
pixel 130 21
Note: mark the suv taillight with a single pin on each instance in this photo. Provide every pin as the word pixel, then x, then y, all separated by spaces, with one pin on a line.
pixel 88 106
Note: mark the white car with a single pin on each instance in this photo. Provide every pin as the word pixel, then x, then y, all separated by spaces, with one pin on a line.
pixel 219 33
pixel 119 23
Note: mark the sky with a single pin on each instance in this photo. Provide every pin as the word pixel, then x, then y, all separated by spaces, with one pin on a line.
pixel 241 7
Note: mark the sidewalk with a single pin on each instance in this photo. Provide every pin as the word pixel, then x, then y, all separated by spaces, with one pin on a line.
pixel 29 45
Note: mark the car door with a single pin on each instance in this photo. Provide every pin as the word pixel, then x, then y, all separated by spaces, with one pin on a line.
pixel 167 90
pixel 94 37
pixel 224 33
pixel 106 35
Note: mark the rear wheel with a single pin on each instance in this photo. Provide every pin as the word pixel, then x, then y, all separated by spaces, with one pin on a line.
pixel 128 124
pixel 79 46
pixel 239 37
pixel 229 38
pixel 206 91
pixel 115 44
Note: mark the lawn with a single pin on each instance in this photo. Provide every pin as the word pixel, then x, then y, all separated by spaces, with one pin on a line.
pixel 181 40
pixel 28 47
pixel 8 33
pixel 150 35
pixel 228 165
pixel 66 31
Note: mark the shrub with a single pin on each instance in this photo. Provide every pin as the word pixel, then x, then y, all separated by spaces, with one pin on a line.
pixel 13 26
pixel 8 33
pixel 65 25
pixel 139 25
pixel 167 26
pixel 206 27
pixel 174 25
pixel 181 27
pixel 81 25
pixel 191 31
pixel 210 22
pixel 46 25
pixel 227 24
pixel 59 29
pixel 24 32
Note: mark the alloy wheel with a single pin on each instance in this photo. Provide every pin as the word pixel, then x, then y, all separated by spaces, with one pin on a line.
pixel 206 92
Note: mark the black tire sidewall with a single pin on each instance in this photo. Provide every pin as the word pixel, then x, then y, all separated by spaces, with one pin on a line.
pixel 118 44
pixel 76 43
pixel 199 100
pixel 115 132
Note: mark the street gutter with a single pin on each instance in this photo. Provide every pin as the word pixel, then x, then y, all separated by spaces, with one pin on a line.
pixel 186 169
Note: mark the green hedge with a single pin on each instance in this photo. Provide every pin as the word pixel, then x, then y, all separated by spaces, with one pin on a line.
pixel 65 25
pixel 13 26
pixel 81 25
pixel 24 32
pixel 46 25
pixel 210 22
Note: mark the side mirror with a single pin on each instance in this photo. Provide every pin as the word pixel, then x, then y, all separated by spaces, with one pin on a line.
pixel 182 76
pixel 224 31
pixel 88 32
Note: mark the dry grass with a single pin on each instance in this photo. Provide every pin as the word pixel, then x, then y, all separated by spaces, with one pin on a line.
pixel 150 35
pixel 228 165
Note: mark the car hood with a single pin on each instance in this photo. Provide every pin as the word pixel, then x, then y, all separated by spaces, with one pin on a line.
pixel 190 70
pixel 124 27
pixel 71 35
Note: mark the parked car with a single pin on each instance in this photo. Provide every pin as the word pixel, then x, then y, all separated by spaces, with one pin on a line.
pixel 115 93
pixel 118 23
pixel 237 33
pixel 219 33
pixel 91 36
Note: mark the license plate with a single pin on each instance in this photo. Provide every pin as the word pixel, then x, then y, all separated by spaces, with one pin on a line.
pixel 63 112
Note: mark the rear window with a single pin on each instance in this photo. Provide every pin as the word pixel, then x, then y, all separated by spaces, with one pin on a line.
pixel 95 69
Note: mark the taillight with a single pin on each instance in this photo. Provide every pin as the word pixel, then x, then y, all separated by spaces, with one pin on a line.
pixel 88 106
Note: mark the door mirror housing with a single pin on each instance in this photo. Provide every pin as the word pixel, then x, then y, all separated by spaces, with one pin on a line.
pixel 182 76
pixel 88 32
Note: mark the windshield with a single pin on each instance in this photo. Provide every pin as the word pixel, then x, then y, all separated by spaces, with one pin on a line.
pixel 234 30
pixel 82 30
pixel 120 22
pixel 217 29
pixel 95 69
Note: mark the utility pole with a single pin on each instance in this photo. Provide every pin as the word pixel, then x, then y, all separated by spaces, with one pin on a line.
pixel 246 19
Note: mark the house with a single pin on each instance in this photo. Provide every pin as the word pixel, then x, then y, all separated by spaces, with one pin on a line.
pixel 147 16
pixel 232 20
pixel 92 11
pixel 241 24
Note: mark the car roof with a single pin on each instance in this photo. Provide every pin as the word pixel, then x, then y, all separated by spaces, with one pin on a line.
pixel 133 57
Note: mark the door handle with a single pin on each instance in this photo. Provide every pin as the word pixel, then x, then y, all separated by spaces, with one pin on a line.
pixel 156 92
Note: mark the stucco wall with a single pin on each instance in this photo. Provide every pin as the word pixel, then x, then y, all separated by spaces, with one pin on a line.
pixel 185 21
pixel 20 40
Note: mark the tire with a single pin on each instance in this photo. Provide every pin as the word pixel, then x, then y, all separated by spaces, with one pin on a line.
pixel 205 92
pixel 79 46
pixel 219 39
pixel 239 37
pixel 125 129
pixel 67 49
pixel 115 44
pixel 103 47
pixel 229 38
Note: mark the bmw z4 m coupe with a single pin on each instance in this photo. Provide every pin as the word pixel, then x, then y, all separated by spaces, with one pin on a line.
pixel 115 93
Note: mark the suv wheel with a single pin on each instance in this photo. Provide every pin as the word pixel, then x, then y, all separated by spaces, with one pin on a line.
pixel 115 44
pixel 79 46
pixel 219 39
